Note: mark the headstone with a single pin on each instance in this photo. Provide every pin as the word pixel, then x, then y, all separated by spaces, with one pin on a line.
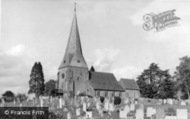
pixel 78 111
pixel 150 111
pixel 84 106
pixel 98 105
pixel 63 102
pixel 89 114
pixel 50 100
pixel 41 102
pixel 2 101
pixel 160 113
pixel 171 117
pixel 139 114
pixel 111 107
pixel 126 109
pixel 182 114
pixel 164 101
pixel 183 103
pixel 132 107
pixel 106 105
pixel 60 103
pixel 122 114
pixel 65 109
pixel 20 105
pixel 126 101
pixel 69 115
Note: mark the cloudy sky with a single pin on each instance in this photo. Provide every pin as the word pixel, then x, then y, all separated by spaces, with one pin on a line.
pixel 111 32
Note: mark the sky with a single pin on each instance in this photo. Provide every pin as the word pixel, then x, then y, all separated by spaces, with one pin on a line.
pixel 113 39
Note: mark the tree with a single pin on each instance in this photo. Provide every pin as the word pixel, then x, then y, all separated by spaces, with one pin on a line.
pixel 8 96
pixel 21 97
pixel 167 89
pixel 182 75
pixel 36 82
pixel 154 83
pixel 92 69
pixel 50 87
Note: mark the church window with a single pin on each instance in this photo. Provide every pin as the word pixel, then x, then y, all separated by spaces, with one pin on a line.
pixel 97 93
pixel 77 78
pixel 78 61
pixel 64 61
pixel 63 75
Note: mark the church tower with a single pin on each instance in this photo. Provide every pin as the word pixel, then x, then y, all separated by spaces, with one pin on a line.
pixel 73 70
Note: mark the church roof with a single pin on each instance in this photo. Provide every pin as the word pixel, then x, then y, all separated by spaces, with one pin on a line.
pixel 104 81
pixel 129 84
pixel 73 54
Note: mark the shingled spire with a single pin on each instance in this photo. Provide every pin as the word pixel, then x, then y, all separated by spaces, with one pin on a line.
pixel 73 54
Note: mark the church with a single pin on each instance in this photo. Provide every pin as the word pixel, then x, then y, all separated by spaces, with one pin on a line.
pixel 74 77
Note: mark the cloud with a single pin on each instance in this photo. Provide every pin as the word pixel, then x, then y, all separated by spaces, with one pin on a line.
pixel 15 68
pixel 105 58
pixel 108 60
pixel 127 72
pixel 16 51
pixel 169 45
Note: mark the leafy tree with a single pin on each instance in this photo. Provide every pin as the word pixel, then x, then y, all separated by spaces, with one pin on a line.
pixel 167 89
pixel 50 87
pixel 21 97
pixel 92 69
pixel 8 96
pixel 36 82
pixel 182 76
pixel 154 83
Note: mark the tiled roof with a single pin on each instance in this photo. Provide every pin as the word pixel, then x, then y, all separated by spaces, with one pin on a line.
pixel 104 81
pixel 73 54
pixel 129 84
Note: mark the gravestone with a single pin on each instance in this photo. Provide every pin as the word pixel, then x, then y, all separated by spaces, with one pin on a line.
pixel 171 117
pixel 20 105
pixel 60 103
pixel 69 116
pixel 150 111
pixel 183 103
pixel 111 107
pixel 106 104
pixel 139 114
pixel 84 106
pixel 126 100
pixel 78 111
pixel 182 114
pixel 132 107
pixel 160 114
pixel 89 114
pixel 122 114
pixel 41 102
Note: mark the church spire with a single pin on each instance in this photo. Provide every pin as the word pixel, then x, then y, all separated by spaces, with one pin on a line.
pixel 75 5
pixel 73 54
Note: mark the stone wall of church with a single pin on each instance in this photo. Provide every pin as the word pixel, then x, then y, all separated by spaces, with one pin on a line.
pixel 131 93
pixel 70 78
pixel 108 94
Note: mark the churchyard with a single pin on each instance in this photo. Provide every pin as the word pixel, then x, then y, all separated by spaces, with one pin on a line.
pixel 92 108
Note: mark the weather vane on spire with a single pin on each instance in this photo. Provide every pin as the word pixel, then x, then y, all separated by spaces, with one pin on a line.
pixel 75 4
